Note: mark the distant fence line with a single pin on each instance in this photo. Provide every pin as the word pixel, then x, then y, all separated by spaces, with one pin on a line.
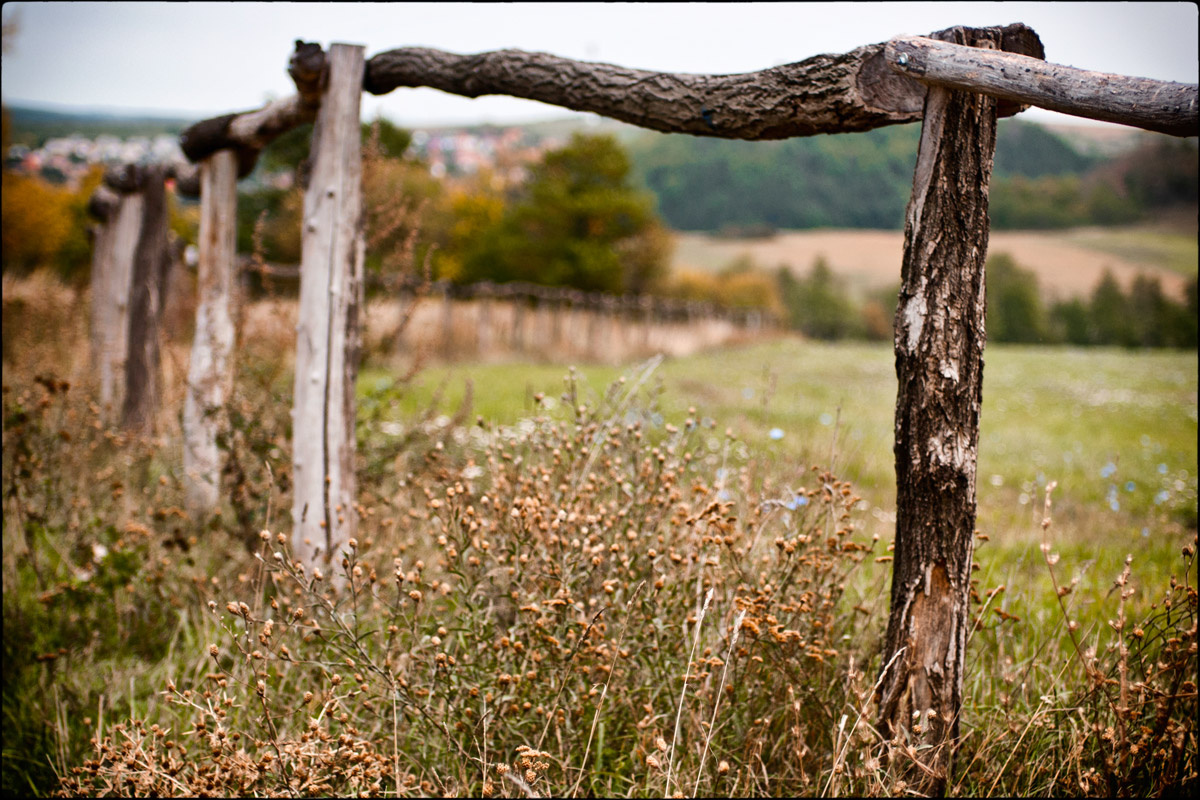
pixel 647 307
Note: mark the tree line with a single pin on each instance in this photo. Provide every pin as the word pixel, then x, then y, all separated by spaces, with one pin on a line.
pixel 864 180
pixel 820 306
pixel 580 220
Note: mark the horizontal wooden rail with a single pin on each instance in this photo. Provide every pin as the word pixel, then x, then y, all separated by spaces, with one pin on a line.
pixel 833 93
pixel 836 93
pixel 1141 102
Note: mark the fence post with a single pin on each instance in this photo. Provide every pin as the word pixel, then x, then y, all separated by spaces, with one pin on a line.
pixel 939 339
pixel 112 264
pixel 150 263
pixel 327 331
pixel 209 372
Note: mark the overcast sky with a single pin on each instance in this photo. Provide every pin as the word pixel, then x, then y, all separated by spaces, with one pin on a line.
pixel 200 59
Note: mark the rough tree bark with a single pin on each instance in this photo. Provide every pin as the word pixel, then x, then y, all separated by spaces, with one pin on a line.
pixel 939 340
pixel 210 370
pixel 150 263
pixel 112 265
pixel 327 335
pixel 1161 106
pixel 836 93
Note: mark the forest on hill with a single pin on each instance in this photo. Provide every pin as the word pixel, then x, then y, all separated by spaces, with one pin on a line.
pixel 863 180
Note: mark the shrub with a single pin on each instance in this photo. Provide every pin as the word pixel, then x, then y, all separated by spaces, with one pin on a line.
pixel 568 610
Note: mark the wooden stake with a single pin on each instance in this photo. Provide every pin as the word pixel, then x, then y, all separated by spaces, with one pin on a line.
pixel 327 334
pixel 112 267
pixel 150 263
pixel 939 363
pixel 210 371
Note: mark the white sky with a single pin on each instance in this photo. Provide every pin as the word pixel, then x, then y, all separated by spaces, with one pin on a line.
pixel 199 59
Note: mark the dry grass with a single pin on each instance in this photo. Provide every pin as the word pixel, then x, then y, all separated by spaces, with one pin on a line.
pixel 604 598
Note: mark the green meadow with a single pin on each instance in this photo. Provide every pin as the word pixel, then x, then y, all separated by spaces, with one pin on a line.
pixel 1115 430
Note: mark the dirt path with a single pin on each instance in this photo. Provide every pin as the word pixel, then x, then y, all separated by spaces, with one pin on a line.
pixel 870 259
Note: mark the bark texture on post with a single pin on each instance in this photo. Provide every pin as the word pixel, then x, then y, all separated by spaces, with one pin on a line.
pixel 150 263
pixel 327 335
pixel 112 266
pixel 210 370
pixel 939 340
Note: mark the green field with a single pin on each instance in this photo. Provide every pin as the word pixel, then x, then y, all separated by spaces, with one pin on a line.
pixel 1151 246
pixel 1115 429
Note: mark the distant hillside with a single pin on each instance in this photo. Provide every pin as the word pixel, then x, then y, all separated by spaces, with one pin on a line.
pixel 33 126
pixel 859 180
pixel 1045 177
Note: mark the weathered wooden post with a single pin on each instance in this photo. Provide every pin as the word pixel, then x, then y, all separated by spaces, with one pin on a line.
pixel 327 334
pixel 210 370
pixel 150 263
pixel 939 340
pixel 112 265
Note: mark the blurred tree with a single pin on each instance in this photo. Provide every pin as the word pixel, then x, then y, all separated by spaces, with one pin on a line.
pixel 398 193
pixel 577 222
pixel 879 312
pixel 1111 324
pixel 45 226
pixel 385 138
pixel 817 304
pixel 1070 322
pixel 1149 312
pixel 395 189
pixel 1014 305
pixel 1162 172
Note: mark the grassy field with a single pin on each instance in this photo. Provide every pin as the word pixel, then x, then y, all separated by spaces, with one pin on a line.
pixel 526 612
pixel 1048 414
pixel 1116 430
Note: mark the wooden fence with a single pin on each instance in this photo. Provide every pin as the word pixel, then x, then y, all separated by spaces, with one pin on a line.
pixel 956 82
